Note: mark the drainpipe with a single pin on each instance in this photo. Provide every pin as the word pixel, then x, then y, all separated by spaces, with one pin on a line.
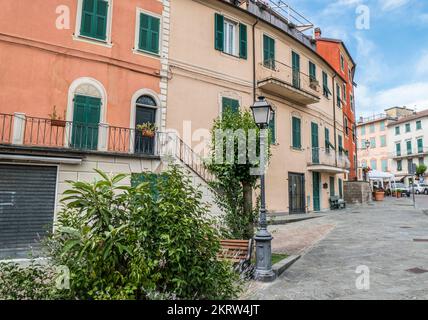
pixel 254 59
pixel 334 118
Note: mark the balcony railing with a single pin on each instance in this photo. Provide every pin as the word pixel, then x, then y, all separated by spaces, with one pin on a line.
pixel 289 82
pixel 25 131
pixel 414 152
pixel 328 157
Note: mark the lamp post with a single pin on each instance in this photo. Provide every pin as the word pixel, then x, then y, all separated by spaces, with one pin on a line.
pixel 262 113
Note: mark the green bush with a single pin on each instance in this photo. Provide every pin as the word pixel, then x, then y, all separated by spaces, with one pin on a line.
pixel 31 282
pixel 122 242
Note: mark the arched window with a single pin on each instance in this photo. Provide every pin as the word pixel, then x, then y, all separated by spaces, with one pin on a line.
pixel 146 101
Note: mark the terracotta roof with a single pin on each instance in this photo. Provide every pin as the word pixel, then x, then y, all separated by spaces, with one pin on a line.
pixel 417 115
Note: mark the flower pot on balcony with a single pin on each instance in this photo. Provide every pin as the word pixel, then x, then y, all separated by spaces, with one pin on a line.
pixel 148 133
pixel 58 123
pixel 379 195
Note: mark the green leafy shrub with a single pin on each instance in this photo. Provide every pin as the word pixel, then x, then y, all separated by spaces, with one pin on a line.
pixel 31 282
pixel 122 242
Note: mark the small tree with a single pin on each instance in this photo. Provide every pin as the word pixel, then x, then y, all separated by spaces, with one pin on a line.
pixel 421 169
pixel 234 179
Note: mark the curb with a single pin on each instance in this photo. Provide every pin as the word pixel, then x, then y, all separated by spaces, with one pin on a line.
pixel 279 267
pixel 273 222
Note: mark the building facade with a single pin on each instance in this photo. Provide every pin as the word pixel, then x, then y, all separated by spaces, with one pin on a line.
pixel 336 53
pixel 241 50
pixel 374 140
pixel 408 144
pixel 77 77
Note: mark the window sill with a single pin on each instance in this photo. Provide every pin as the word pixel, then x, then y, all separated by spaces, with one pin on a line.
pixel 146 53
pixel 296 149
pixel 232 56
pixel 93 41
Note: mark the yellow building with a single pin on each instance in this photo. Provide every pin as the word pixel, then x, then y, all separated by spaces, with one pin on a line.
pixel 226 53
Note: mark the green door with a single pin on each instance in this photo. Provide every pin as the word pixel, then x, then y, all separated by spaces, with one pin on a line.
pixel 86 120
pixel 315 144
pixel 332 189
pixel 340 188
pixel 316 179
pixel 296 70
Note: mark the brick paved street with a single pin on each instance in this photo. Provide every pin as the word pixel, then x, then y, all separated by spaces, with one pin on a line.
pixel 379 236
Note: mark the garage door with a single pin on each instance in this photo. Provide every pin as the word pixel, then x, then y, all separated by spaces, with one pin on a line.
pixel 27 202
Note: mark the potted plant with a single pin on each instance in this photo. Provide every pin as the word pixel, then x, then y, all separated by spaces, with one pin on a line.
pixel 379 194
pixel 147 129
pixel 57 121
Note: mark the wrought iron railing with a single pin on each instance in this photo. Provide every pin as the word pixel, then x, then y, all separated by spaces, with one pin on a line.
pixel 292 76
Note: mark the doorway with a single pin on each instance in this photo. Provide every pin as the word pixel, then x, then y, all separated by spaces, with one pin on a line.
pixel 145 113
pixel 316 180
pixel 296 185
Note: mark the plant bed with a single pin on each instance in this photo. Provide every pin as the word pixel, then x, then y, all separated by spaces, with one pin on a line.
pixel 277 257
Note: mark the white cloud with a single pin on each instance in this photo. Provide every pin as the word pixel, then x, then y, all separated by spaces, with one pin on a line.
pixel 388 5
pixel 413 95
pixel 422 64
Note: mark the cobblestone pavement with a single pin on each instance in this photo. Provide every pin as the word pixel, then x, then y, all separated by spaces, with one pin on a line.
pixel 379 236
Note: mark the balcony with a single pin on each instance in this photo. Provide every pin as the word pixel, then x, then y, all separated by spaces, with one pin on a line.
pixel 284 81
pixel 23 131
pixel 326 160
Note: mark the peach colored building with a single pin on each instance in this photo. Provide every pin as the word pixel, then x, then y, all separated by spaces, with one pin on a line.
pixel 76 78
pixel 225 54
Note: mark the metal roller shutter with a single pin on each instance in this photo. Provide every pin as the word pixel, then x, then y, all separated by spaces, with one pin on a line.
pixel 27 202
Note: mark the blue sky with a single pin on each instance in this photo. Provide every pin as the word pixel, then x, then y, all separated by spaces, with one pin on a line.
pixel 392 55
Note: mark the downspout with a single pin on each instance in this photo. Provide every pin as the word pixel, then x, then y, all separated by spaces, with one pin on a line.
pixel 334 118
pixel 254 59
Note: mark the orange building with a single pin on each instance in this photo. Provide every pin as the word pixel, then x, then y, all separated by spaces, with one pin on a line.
pixel 76 78
pixel 336 53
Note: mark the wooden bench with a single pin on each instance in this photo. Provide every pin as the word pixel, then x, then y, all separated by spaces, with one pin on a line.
pixel 236 251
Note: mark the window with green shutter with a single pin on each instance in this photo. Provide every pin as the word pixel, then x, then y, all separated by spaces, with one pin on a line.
pixel 408 128
pixel 295 63
pixel 312 71
pixel 384 164
pixel 397 131
pixel 272 128
pixel 399 165
pixel 398 149
pixel 268 52
pixel 296 133
pixel 149 33
pixel 363 130
pixel 326 90
pixel 219 32
pixel 409 147
pixel 339 100
pixel 94 19
pixel 230 104
pixel 243 41
pixel 340 145
pixel 383 141
pixel 327 140
pixel 420 145
pixel 418 125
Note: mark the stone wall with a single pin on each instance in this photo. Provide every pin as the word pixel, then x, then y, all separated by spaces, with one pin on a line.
pixel 356 192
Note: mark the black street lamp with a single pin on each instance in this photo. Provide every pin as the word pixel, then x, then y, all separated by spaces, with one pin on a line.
pixel 263 113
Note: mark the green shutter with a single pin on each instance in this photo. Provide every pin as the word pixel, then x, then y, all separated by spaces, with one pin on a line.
pixel 268 52
pixel 398 149
pixel 340 145
pixel 86 119
pixel 297 140
pixel 295 59
pixel 332 188
pixel 219 32
pixel 231 104
pixel 420 146
pixel 312 71
pixel 327 139
pixel 340 188
pixel 243 41
pixel 272 128
pixel 94 19
pixel 409 147
pixel 149 33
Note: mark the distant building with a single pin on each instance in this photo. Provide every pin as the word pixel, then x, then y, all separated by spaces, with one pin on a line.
pixel 408 137
pixel 373 139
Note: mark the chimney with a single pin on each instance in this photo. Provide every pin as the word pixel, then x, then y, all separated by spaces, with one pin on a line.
pixel 317 33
